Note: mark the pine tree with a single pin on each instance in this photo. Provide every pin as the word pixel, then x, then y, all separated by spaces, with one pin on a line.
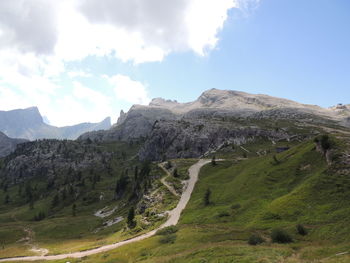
pixel 207 197
pixel 136 173
pixel 175 174
pixel 74 209
pixel 213 161
pixel 7 199
pixel 131 218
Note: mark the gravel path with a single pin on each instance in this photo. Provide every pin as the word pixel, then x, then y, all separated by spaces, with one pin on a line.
pixel 173 219
pixel 163 180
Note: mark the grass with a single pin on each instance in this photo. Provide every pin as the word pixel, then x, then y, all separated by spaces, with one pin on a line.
pixel 62 232
pixel 254 196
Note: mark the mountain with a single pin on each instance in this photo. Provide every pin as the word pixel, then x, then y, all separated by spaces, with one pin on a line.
pixel 240 102
pixel 275 166
pixel 8 145
pixel 218 117
pixel 29 124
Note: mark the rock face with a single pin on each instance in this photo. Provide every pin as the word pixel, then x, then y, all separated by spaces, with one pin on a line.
pixel 29 124
pixel 218 117
pixel 135 124
pixel 8 145
pixel 50 158
pixel 187 138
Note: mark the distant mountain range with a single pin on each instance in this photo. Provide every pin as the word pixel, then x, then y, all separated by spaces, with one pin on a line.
pixel 29 124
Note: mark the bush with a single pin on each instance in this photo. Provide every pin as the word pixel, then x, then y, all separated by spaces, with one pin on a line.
pixel 236 206
pixel 255 239
pixel 167 239
pixel 280 236
pixel 206 198
pixel 325 142
pixel 40 216
pixel 167 230
pixel 223 214
pixel 168 165
pixel 301 230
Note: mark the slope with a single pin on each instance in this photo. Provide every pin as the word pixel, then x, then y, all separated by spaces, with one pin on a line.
pixel 254 196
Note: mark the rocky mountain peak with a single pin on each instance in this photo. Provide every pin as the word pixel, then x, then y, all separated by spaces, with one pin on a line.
pixel 29 116
pixel 160 102
pixel 29 124
pixel 216 97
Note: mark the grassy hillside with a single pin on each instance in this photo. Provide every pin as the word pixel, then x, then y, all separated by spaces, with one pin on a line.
pixel 255 196
pixel 57 212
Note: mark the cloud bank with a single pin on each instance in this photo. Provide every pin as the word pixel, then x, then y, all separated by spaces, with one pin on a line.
pixel 39 37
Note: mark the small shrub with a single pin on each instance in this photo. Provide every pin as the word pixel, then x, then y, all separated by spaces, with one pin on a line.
pixel 167 239
pixel 280 236
pixel 275 160
pixel 255 239
pixel 301 230
pixel 106 255
pixel 223 214
pixel 40 216
pixel 271 216
pixel 168 165
pixel 167 230
pixel 236 206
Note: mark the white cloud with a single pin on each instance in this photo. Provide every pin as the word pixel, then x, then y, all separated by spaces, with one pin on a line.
pixel 204 19
pixel 167 26
pixel 129 90
pixel 38 38
pixel 81 105
pixel 10 100
pixel 132 30
pixel 79 73
pixel 29 26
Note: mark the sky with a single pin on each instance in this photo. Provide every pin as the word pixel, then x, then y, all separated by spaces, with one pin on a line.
pixel 84 60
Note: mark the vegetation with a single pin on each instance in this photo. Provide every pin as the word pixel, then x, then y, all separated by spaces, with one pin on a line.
pixel 166 239
pixel 168 230
pixel 131 218
pixel 280 236
pixel 207 197
pixel 250 199
pixel 213 161
pixel 301 230
pixel 255 239
pixel 54 200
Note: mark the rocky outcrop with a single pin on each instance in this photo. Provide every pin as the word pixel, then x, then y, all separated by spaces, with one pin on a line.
pixel 8 145
pixel 29 124
pixel 188 138
pixel 50 158
pixel 135 124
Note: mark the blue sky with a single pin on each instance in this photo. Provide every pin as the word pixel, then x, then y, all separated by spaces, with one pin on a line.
pixel 293 49
pixel 97 60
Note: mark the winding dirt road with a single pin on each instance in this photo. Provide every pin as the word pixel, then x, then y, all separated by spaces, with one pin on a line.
pixel 174 216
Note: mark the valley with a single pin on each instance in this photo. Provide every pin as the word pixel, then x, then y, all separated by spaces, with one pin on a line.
pixel 274 187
